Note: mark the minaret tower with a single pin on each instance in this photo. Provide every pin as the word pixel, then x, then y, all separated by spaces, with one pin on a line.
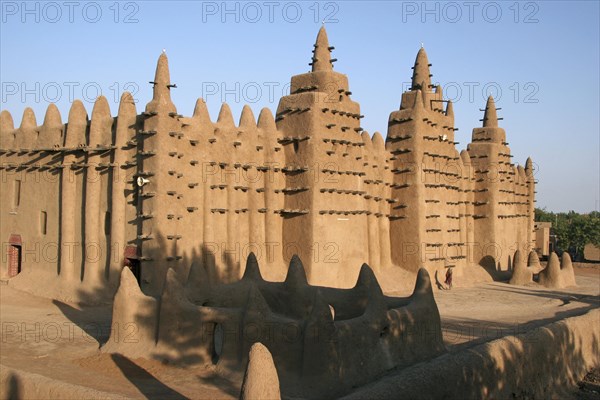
pixel 159 197
pixel 321 129
pixel 425 219
pixel 494 198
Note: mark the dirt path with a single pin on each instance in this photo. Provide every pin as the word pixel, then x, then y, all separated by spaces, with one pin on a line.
pixel 61 341
pixel 474 315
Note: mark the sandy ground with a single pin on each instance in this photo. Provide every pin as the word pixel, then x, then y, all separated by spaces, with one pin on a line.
pixel 61 341
pixel 486 312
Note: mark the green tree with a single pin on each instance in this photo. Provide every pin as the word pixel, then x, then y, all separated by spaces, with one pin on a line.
pixel 573 230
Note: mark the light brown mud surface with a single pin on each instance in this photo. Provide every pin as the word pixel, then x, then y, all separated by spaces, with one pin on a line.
pixel 60 341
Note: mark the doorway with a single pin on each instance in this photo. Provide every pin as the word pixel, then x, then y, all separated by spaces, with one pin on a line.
pixel 132 262
pixel 14 255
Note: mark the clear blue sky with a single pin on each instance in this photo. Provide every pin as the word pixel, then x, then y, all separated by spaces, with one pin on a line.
pixel 539 59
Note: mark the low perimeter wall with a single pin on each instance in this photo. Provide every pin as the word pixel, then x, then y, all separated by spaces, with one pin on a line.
pixel 538 364
pixel 17 385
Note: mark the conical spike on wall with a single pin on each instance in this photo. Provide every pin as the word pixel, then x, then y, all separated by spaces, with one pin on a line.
pixel 129 306
pixel 180 321
pixel 366 277
pixel 423 284
pixel 421 74
pixel 260 380
pixel 376 308
pixel 126 104
pixel 76 125
pixel 247 120
pixel 321 312
pixel 225 117
pixel 378 142
pixel 162 76
pixel 101 123
pixel 201 112
pixel 28 121
pixel 27 134
pixel 319 339
pixel 533 260
pixel 256 312
pixel 128 283
pixel 529 171
pixel 522 174
pixel 376 300
pixel 521 275
pixel 550 276
pixel 518 259
pixel 173 298
pixel 266 121
pixel 450 109
pixel 52 117
pixel 6 121
pixel 51 132
pixel 566 269
pixel 256 303
pixel 322 55
pixel 366 138
pixel 252 271
pixel 173 286
pixel 459 160
pixel 161 96
pixel 466 158
pixel 515 171
pixel 197 286
pixel 7 128
pixel 296 276
pixel 197 276
pixel 126 118
pixel 565 261
pixel 490 116
pixel 418 107
pixel 528 165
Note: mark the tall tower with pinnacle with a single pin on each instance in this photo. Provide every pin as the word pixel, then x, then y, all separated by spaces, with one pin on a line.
pixel 320 125
pixel 159 200
pixel 502 195
pixel 426 218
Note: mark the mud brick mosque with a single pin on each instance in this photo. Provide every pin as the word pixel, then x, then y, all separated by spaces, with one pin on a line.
pixel 158 190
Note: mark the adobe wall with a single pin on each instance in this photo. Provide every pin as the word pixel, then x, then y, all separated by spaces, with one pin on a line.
pixel 307 181
pixel 538 364
pixel 30 188
pixel 427 177
pixel 503 194
pixel 70 172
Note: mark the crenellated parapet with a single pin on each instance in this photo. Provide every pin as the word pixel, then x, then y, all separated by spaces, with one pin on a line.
pixel 315 334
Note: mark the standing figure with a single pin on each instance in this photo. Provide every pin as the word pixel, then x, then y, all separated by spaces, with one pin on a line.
pixel 448 280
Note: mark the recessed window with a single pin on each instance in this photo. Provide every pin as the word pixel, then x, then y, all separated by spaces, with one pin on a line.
pixel 107 223
pixel 43 222
pixel 17 193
